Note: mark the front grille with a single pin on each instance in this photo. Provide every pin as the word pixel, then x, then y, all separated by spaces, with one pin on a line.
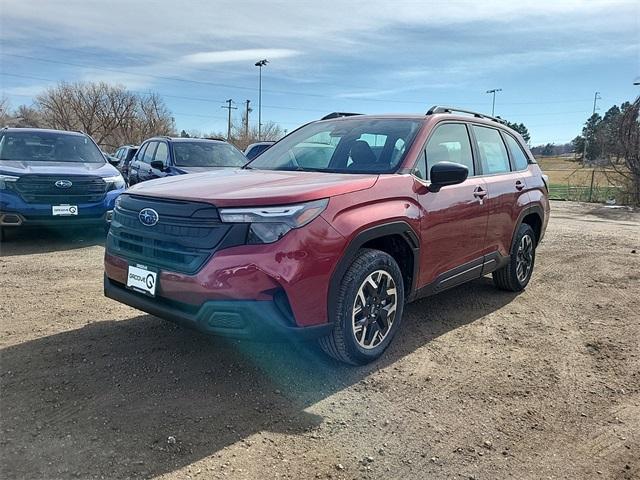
pixel 43 189
pixel 185 236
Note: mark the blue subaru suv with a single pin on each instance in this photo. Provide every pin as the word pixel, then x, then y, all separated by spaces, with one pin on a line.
pixel 54 177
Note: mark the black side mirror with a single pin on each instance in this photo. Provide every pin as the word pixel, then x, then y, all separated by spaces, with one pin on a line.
pixel 447 173
pixel 157 164
pixel 112 160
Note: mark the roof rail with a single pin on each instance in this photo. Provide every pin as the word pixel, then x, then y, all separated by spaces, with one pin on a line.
pixel 441 109
pixel 338 115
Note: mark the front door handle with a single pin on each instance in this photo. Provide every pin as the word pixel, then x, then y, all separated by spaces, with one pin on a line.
pixel 519 185
pixel 479 192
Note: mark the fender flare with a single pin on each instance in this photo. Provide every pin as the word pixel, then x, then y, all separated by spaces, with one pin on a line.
pixel 537 209
pixel 401 228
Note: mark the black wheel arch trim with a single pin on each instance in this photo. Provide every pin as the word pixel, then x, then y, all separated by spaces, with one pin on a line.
pixel 537 209
pixel 401 228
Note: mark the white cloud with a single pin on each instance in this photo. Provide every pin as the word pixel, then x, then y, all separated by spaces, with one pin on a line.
pixel 247 55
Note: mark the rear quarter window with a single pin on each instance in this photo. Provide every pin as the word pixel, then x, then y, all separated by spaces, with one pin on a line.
pixel 520 159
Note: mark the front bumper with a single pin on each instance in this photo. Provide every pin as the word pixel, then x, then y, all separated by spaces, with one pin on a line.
pixel 15 212
pixel 255 319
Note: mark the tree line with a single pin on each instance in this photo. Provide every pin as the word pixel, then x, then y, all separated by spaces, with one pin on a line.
pixel 113 115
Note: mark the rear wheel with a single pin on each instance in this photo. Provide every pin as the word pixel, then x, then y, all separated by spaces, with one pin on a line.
pixel 368 311
pixel 516 274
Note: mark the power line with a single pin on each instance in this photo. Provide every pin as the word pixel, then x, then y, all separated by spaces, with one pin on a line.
pixel 252 89
pixel 339 85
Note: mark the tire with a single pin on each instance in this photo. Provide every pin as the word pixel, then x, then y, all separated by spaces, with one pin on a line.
pixel 1 234
pixel 371 292
pixel 515 276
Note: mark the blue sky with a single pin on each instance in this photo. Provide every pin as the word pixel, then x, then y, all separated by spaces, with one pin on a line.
pixel 549 57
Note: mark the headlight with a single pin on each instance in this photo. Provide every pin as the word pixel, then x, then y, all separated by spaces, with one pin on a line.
pixel 6 181
pixel 115 183
pixel 269 224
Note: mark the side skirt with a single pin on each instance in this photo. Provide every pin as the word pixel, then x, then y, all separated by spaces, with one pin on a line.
pixel 464 273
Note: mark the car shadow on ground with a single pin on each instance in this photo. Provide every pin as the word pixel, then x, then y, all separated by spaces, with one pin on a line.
pixel 142 397
pixel 31 240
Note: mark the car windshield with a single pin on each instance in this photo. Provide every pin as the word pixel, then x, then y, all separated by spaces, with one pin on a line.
pixel 353 145
pixel 207 154
pixel 48 147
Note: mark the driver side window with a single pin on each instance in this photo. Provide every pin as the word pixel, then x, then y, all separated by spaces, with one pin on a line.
pixel 448 143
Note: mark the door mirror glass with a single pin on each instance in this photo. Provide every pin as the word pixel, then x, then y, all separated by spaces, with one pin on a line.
pixel 447 173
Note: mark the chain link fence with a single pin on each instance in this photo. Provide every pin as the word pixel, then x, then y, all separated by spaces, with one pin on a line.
pixel 600 185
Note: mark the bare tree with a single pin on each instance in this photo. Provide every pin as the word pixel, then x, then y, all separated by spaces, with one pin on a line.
pixel 624 149
pixel 629 145
pixel 110 114
pixel 5 111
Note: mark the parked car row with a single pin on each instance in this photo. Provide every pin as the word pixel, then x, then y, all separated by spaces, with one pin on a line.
pixel 324 235
pixel 53 177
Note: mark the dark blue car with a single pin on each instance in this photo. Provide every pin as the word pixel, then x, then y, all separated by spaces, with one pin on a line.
pixel 165 156
pixel 53 177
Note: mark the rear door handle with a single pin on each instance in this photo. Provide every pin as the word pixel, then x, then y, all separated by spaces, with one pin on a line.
pixel 519 185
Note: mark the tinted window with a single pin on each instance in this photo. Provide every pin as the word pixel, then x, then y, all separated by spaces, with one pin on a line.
pixel 450 143
pixel 493 153
pixel 353 145
pixel 520 160
pixel 162 152
pixel 207 154
pixel 130 153
pixel 48 147
pixel 148 153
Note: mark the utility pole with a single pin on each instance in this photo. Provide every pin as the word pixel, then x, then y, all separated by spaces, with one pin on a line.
pixel 493 103
pixel 596 97
pixel 246 118
pixel 260 64
pixel 229 108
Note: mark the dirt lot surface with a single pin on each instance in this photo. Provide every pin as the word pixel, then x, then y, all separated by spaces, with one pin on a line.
pixel 478 384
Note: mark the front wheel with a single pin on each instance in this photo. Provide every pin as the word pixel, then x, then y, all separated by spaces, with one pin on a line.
pixel 515 276
pixel 368 309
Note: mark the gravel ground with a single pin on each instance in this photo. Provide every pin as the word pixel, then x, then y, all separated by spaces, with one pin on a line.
pixel 478 384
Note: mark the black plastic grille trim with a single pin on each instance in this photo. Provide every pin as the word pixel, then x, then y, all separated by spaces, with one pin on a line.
pixel 185 237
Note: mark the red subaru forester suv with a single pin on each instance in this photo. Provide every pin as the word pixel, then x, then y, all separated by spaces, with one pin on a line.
pixel 333 229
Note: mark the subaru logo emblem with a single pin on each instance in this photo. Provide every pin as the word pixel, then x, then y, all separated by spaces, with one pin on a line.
pixel 63 184
pixel 148 217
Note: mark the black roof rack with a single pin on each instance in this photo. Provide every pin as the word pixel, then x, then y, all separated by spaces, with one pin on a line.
pixel 338 115
pixel 441 109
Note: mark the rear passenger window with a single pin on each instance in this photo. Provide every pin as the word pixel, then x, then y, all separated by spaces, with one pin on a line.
pixel 148 153
pixel 493 153
pixel 520 160
pixel 449 143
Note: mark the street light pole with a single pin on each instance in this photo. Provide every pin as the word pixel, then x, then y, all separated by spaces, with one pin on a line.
pixel 493 103
pixel 260 64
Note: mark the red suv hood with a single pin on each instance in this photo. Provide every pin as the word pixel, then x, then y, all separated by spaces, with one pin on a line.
pixel 225 188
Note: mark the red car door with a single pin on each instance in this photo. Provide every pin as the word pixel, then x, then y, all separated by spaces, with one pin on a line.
pixel 453 220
